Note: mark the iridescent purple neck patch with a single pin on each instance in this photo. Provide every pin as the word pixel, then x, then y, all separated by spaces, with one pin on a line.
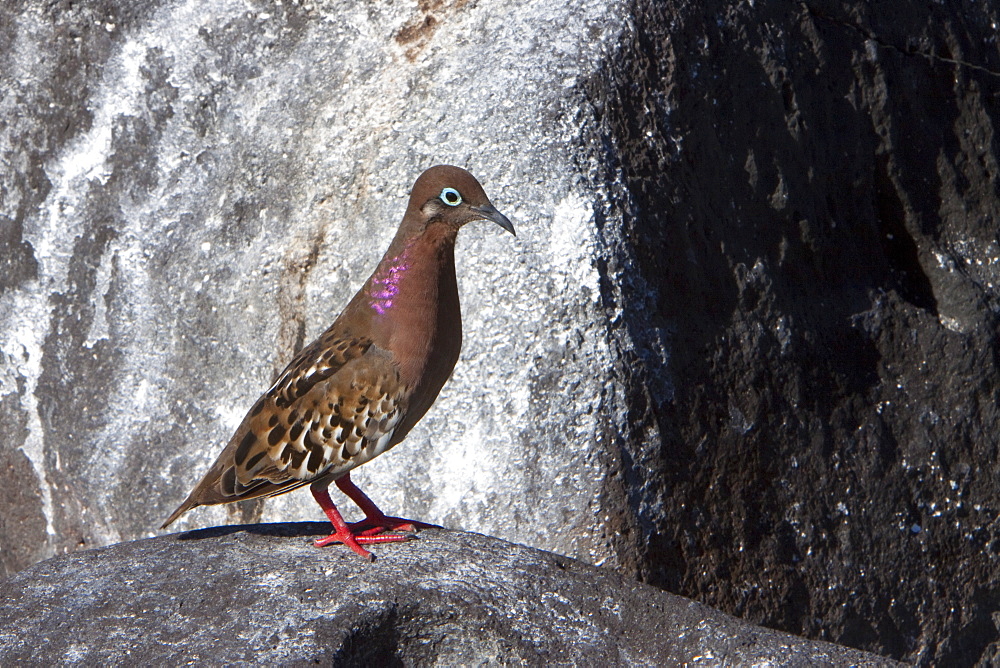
pixel 385 283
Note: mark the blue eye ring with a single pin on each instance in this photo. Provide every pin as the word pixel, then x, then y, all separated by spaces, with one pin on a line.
pixel 451 197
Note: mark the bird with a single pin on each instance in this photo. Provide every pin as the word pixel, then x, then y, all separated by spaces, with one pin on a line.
pixel 360 387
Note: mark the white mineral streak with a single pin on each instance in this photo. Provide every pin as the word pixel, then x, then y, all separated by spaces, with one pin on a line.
pixel 55 230
pixel 52 233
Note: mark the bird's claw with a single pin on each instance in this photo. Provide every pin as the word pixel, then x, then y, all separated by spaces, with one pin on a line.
pixel 372 526
pixel 355 541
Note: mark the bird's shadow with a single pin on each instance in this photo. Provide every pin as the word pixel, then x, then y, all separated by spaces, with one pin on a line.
pixel 278 529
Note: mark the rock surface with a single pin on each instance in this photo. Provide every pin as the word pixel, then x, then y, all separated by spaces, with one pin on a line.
pixel 746 346
pixel 811 202
pixel 263 594
pixel 199 189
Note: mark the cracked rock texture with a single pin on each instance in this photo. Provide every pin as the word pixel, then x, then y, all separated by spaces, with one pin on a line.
pixel 745 346
pixel 263 594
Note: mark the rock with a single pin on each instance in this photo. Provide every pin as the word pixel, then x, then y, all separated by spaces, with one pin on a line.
pixel 809 206
pixel 264 594
pixel 745 347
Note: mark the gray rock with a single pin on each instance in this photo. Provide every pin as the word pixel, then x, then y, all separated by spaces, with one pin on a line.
pixel 263 594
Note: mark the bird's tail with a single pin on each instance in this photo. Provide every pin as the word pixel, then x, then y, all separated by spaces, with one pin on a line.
pixel 188 504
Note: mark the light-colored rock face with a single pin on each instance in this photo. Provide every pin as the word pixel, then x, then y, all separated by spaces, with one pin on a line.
pixel 229 175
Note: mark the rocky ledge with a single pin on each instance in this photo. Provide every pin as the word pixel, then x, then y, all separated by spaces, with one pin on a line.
pixel 263 593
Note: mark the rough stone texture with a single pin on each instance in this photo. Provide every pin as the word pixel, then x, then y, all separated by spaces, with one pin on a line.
pixel 810 204
pixel 263 594
pixel 197 190
pixel 745 346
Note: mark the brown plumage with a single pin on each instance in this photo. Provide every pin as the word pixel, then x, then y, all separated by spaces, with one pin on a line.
pixel 358 389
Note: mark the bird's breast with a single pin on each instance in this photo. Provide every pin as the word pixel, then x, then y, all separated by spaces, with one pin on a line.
pixel 426 334
pixel 422 326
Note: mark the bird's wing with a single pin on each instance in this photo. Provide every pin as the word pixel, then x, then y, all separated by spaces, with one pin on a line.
pixel 339 423
pixel 333 408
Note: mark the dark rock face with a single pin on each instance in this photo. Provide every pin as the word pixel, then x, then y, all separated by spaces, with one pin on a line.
pixel 746 348
pixel 810 202
pixel 264 594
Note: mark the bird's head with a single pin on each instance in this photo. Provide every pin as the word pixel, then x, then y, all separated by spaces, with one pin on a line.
pixel 453 196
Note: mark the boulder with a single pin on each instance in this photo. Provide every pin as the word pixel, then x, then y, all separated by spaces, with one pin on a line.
pixel 263 594
pixel 809 285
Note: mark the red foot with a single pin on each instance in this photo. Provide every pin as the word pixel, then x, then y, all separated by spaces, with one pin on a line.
pixel 375 521
pixel 366 532
pixel 371 526
pixel 355 542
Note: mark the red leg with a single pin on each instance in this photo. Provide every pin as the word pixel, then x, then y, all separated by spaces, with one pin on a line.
pixel 375 521
pixel 342 532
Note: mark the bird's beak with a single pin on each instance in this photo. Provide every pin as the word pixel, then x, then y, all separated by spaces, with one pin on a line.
pixel 489 212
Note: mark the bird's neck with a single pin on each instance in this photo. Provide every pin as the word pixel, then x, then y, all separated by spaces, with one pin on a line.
pixel 412 303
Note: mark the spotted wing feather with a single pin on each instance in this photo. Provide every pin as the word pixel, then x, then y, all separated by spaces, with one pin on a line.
pixel 333 408
pixel 340 423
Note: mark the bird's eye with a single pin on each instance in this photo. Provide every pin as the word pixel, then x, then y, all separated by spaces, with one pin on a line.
pixel 451 197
